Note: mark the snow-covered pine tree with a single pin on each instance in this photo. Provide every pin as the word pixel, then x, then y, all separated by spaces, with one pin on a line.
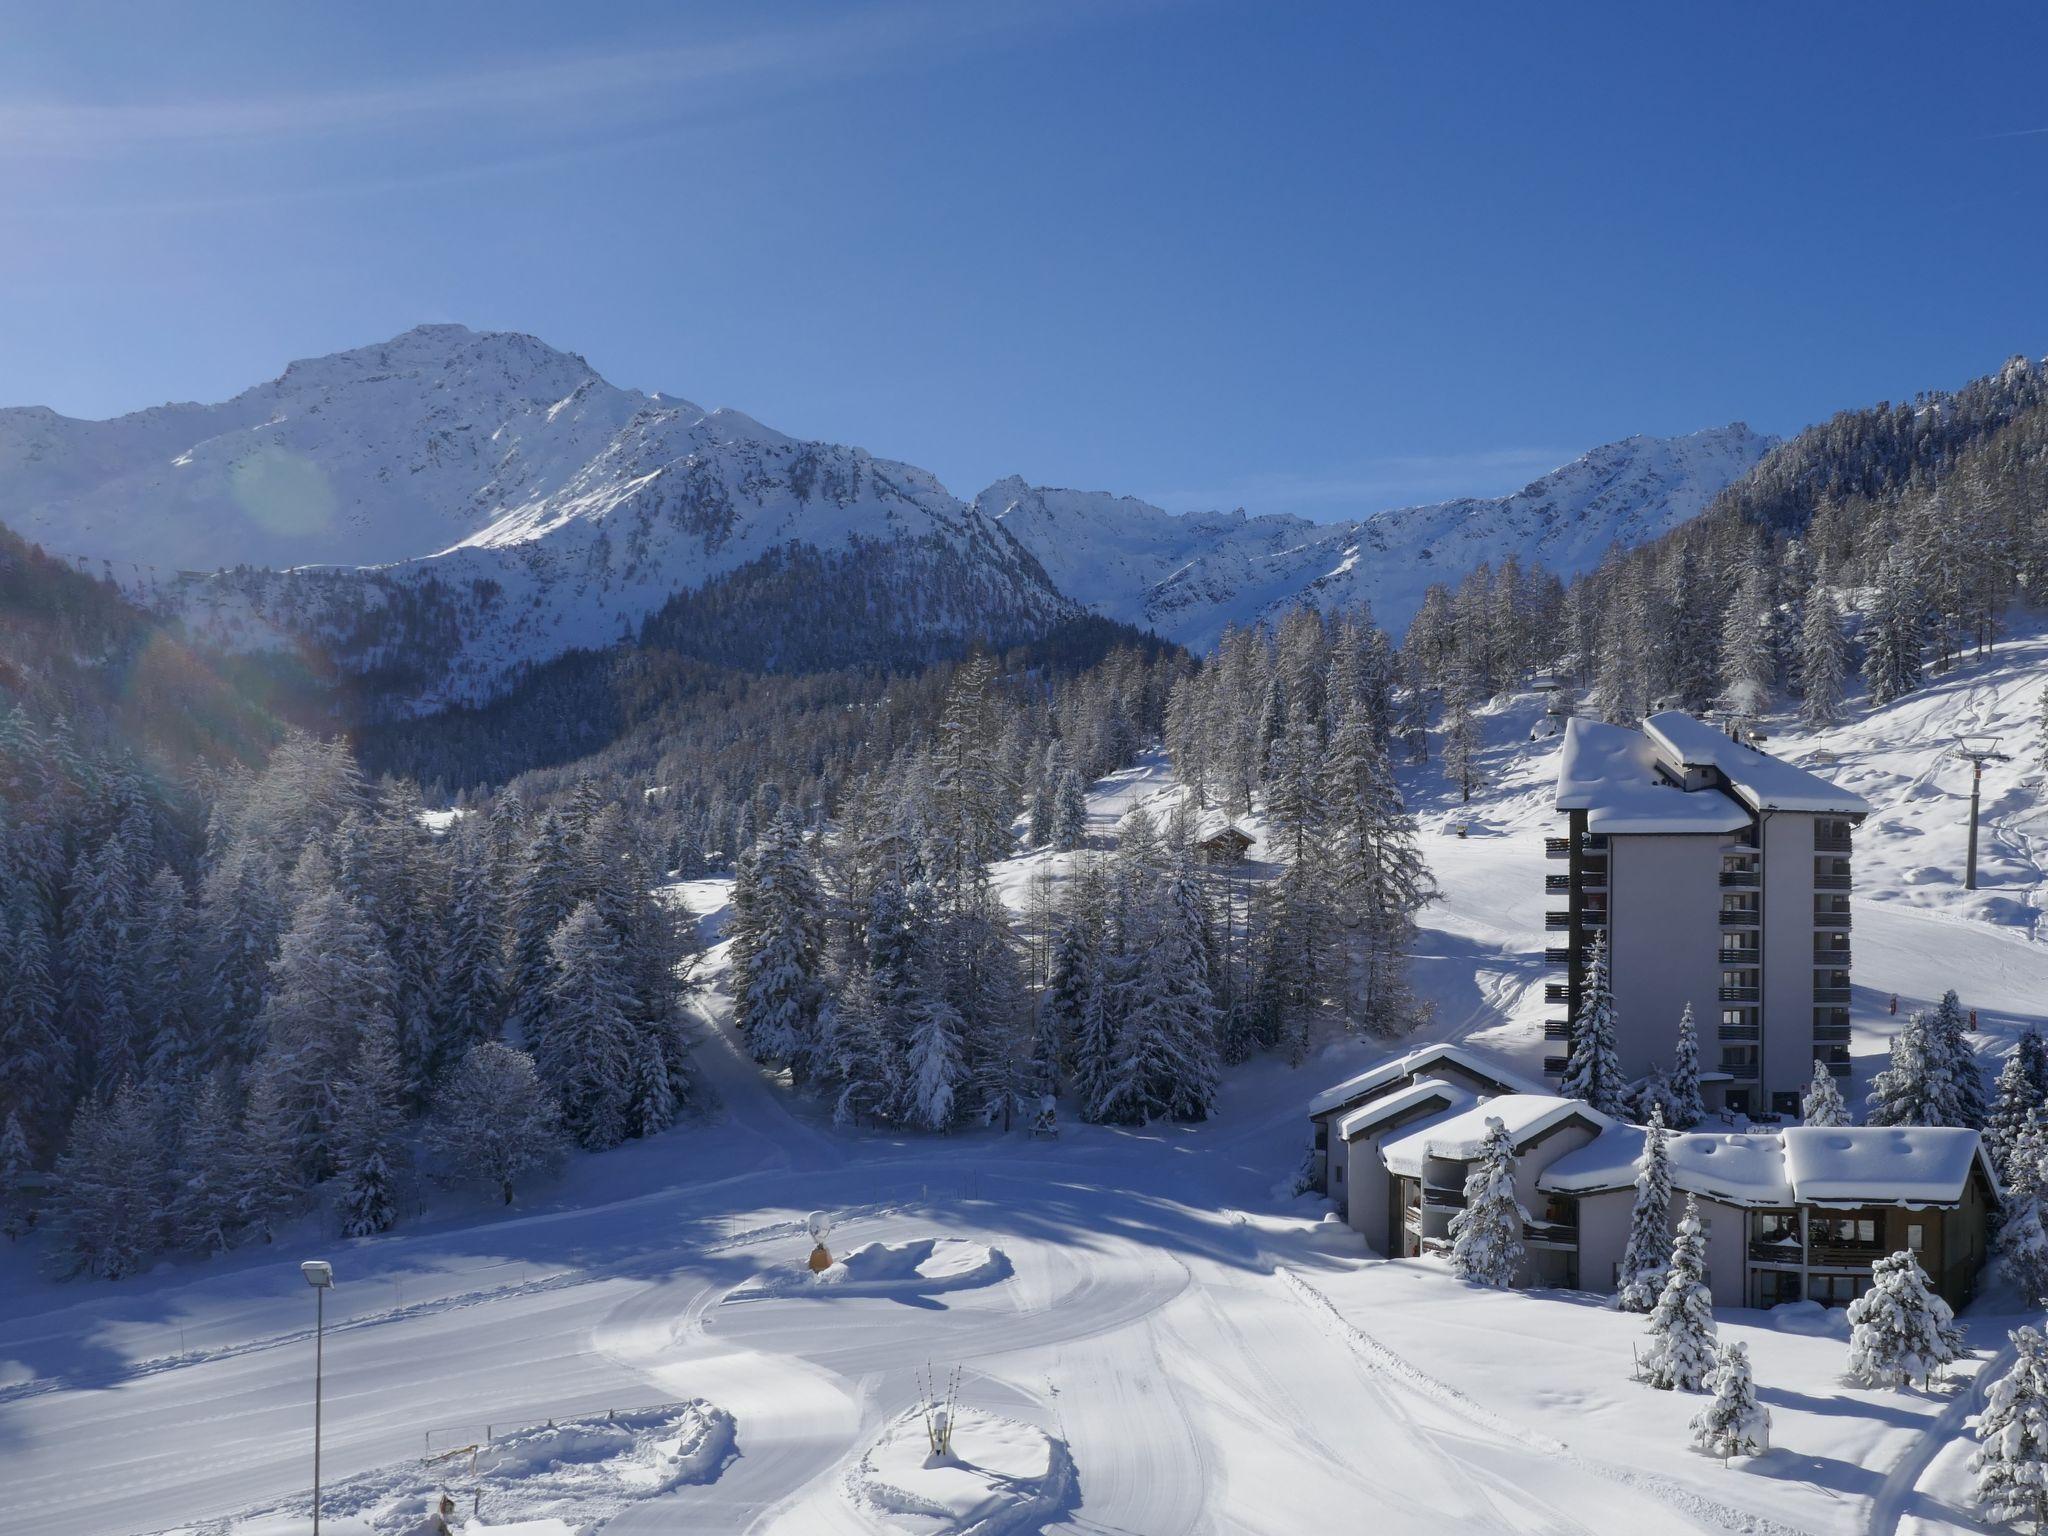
pixel 1681 1329
pixel 1166 1064
pixel 934 1069
pixel 1948 1041
pixel 1915 1088
pixel 107 1216
pixel 778 966
pixel 1899 1329
pixel 268 1185
pixel 35 1059
pixel 369 1136
pixel 1376 876
pixel 1646 1261
pixel 2023 1244
pixel 2012 1103
pixel 543 896
pixel 1823 659
pixel 161 979
pixel 1486 1236
pixel 494 1120
pixel 1822 1104
pixel 869 1063
pixel 1749 662
pixel 1462 740
pixel 1688 1109
pixel 204 1211
pixel 1069 812
pixel 584 1048
pixel 17 1205
pixel 2011 1463
pixel 2024 1161
pixel 1734 1423
pixel 2032 1051
pixel 1898 622
pixel 1592 1062
pixel 470 1002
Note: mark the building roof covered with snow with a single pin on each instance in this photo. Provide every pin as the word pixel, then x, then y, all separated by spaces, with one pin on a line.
pixel 1760 781
pixel 1458 1136
pixel 1440 1060
pixel 1612 774
pixel 1427 1093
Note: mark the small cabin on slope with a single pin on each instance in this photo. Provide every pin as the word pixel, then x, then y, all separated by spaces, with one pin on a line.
pixel 1798 1214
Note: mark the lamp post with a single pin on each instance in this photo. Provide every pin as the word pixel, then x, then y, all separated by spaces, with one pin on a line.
pixel 320 1275
pixel 1979 750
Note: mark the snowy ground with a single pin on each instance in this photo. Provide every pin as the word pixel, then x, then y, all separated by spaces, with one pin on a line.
pixel 1213 1355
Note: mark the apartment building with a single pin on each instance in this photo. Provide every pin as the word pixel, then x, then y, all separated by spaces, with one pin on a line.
pixel 1720 876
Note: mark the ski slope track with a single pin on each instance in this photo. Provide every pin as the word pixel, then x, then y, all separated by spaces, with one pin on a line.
pixel 1217 1354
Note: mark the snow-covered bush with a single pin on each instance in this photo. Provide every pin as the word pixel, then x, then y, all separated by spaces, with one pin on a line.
pixel 2012 1433
pixel 1734 1423
pixel 1682 1337
pixel 1822 1104
pixel 1645 1263
pixel 495 1120
pixel 1486 1236
pixel 1898 1329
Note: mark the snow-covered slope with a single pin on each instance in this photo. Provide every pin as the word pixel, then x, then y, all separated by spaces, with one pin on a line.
pixel 1189 575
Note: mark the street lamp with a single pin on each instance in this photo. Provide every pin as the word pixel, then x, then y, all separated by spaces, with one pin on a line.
pixel 319 1275
pixel 1979 750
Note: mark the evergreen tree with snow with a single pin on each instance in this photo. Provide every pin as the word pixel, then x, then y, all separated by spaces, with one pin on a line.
pixel 1734 1423
pixel 543 896
pixel 1166 1062
pixel 268 1186
pixel 1462 740
pixel 1592 1062
pixel 778 952
pixel 106 1218
pixel 1645 1262
pixel 17 1206
pixel 2012 1105
pixel 1915 1088
pixel 204 1206
pixel 162 975
pixel 1682 1337
pixel 1069 812
pixel 1823 660
pixel 2033 1054
pixel 868 1063
pixel 1486 1236
pixel 1748 660
pixel 1688 1108
pixel 1948 1040
pixel 369 1139
pixel 2023 1244
pixel 1899 1329
pixel 934 1068
pixel 494 1120
pixel 2011 1463
pixel 585 1048
pixel 35 1058
pixel 2023 1165
pixel 470 997
pixel 1822 1104
pixel 1891 657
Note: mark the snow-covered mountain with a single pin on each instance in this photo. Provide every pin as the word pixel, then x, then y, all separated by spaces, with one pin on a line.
pixel 438 510
pixel 1188 575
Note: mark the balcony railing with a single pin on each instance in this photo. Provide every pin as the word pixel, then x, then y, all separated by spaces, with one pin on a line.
pixel 1559 992
pixel 1764 1251
pixel 1558 954
pixel 1740 919
pixel 1743 879
pixel 1592 917
pixel 1740 956
pixel 1831 842
pixel 1443 1199
pixel 1830 1034
pixel 1830 919
pixel 1556 1029
pixel 1741 1032
pixel 1741 1071
pixel 1837 1257
pixel 1831 882
pixel 1739 994
pixel 1556 920
pixel 1557 884
pixel 1550 1232
pixel 1837 958
pixel 1553 1066
pixel 1831 994
pixel 1557 847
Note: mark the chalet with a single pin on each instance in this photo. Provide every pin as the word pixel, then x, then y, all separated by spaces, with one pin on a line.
pixel 1222 842
pixel 1792 1214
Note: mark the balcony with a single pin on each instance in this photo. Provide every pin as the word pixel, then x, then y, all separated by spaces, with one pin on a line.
pixel 1556 920
pixel 1560 992
pixel 1830 1034
pixel 1555 1233
pixel 1742 1032
pixel 1830 919
pixel 1557 847
pixel 1438 1199
pixel 1831 882
pixel 1740 956
pixel 1856 1256
pixel 1556 1029
pixel 1741 1071
pixel 1557 884
pixel 1832 842
pixel 1740 919
pixel 1831 994
pixel 1782 1251
pixel 1739 879
pixel 1553 1066
pixel 1739 994
pixel 1837 959
pixel 1558 954
pixel 1593 917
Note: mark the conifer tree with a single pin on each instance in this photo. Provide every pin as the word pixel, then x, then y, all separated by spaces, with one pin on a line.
pixel 106 1219
pixel 543 896
pixel 1899 1329
pixel 1593 1064
pixel 2013 1103
pixel 1948 1042
pixel 162 979
pixel 1734 1423
pixel 1376 878
pixel 1915 1088
pixel 1462 740
pixel 1069 812
pixel 2023 1244
pixel 1822 1104
pixel 204 1205
pixel 1486 1236
pixel 584 1051
pixel 495 1121
pixel 2011 1463
pixel 1891 659
pixel 1688 1109
pixel 1823 660
pixel 934 1069
pixel 17 1207
pixel 868 1064
pixel 2033 1053
pixel 1681 1330
pixel 35 1059
pixel 1645 1262
pixel 470 999
pixel 778 953
pixel 369 1145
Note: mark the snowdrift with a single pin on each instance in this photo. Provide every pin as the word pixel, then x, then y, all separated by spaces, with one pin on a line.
pixel 1003 1476
pixel 920 1268
pixel 573 1475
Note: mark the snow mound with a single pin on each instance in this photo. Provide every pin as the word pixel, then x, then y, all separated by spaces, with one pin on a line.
pixel 571 1476
pixel 1003 1476
pixel 1810 1318
pixel 917 1268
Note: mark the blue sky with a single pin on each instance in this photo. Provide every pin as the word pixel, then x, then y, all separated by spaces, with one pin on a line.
pixel 1317 258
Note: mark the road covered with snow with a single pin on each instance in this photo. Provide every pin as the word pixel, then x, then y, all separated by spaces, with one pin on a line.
pixel 1212 1352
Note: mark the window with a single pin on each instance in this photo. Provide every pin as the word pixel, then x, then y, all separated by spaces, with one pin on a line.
pixel 1784 1103
pixel 1916 1237
pixel 1737 1016
pixel 1738 978
pixel 1778 1228
pixel 1844 1232
pixel 1775 1287
pixel 1839 1290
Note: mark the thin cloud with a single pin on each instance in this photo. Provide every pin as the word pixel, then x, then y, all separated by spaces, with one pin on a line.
pixel 583 90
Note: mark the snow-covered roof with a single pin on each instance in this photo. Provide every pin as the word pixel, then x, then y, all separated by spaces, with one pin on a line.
pixel 1459 1135
pixel 1415 1064
pixel 1761 781
pixel 1800 1165
pixel 1385 1107
pixel 1860 1164
pixel 1611 773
